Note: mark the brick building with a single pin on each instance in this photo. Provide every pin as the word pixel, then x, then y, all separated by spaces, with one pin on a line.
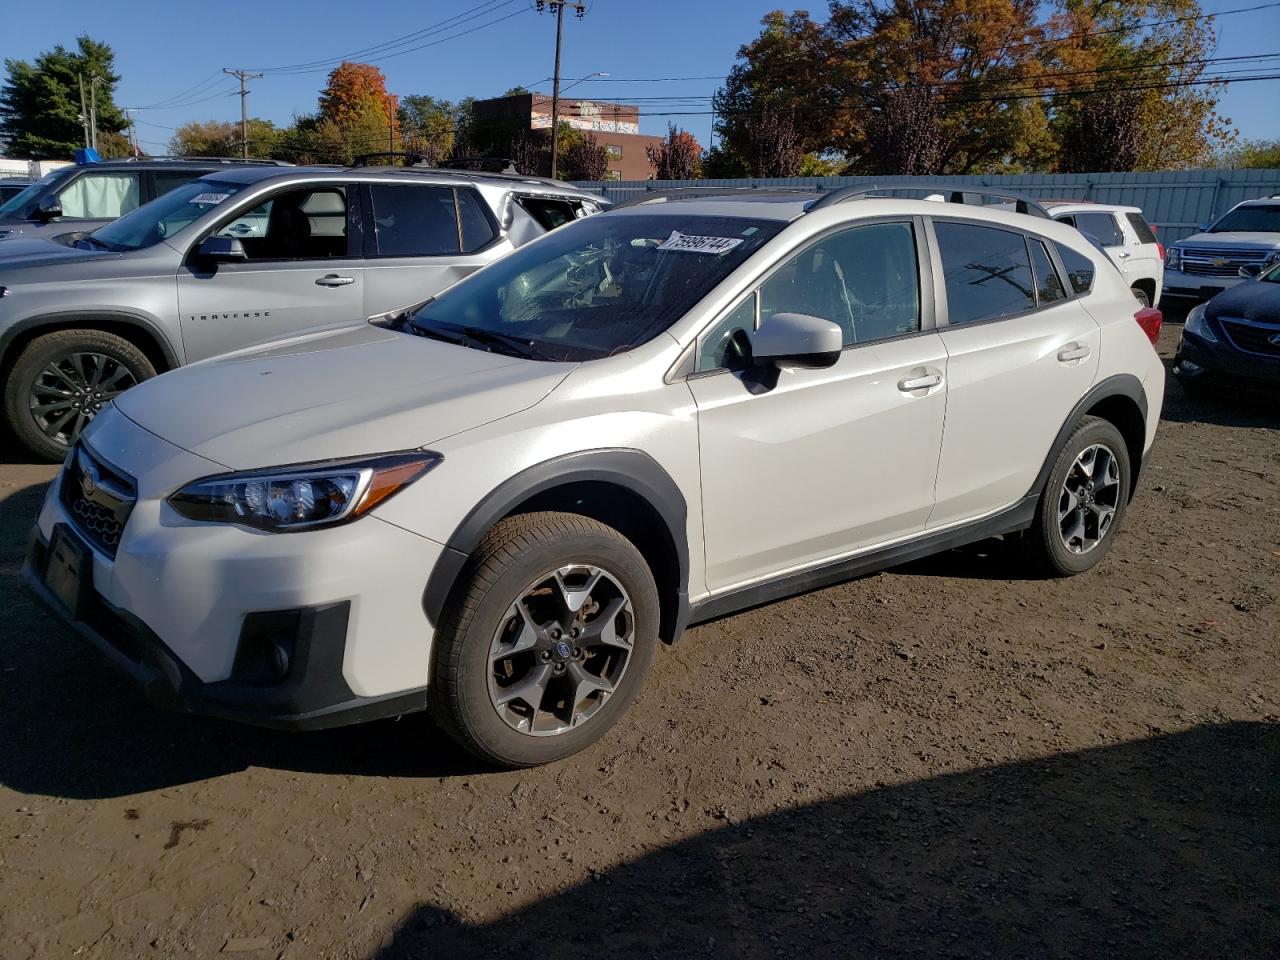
pixel 615 125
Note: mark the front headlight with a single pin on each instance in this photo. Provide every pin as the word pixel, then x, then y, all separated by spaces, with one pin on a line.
pixel 1196 323
pixel 302 496
pixel 1173 258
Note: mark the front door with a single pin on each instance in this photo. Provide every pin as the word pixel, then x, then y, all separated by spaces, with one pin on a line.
pixel 825 461
pixel 300 273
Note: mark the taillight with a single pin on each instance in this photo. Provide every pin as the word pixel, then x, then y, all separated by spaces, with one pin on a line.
pixel 1150 319
pixel 1160 249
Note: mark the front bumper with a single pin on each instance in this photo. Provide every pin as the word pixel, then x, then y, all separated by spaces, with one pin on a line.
pixel 1203 361
pixel 1194 288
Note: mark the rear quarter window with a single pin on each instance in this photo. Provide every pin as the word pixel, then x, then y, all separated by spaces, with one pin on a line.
pixel 1141 227
pixel 1080 269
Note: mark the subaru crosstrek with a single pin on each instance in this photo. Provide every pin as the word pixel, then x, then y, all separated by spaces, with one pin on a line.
pixel 497 508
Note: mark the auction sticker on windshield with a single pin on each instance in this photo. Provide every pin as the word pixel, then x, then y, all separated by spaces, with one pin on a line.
pixel 684 243
pixel 213 199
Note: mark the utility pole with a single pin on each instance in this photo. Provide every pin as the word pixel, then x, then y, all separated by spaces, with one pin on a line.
pixel 84 111
pixel 243 75
pixel 93 109
pixel 580 9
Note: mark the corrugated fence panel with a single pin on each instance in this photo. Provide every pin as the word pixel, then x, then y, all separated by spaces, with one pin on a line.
pixel 1176 201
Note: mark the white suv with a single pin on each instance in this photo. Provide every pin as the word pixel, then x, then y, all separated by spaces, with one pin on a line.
pixel 1127 238
pixel 497 507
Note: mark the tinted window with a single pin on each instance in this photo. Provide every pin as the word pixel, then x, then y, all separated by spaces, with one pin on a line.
pixel 477 230
pixel 986 270
pixel 1079 269
pixel 1048 285
pixel 414 221
pixel 1141 228
pixel 1260 219
pixel 1102 226
pixel 100 196
pixel 166 180
pixel 865 280
pixel 595 287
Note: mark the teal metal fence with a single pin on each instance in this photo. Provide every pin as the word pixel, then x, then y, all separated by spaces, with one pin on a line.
pixel 1175 202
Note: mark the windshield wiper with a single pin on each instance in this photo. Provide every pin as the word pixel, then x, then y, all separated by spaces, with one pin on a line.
pixel 90 239
pixel 491 337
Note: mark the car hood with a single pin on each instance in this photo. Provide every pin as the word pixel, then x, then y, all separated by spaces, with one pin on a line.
pixel 351 391
pixel 1262 240
pixel 19 252
pixel 1253 300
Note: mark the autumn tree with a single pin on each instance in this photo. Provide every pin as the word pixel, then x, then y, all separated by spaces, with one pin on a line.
pixel 40 102
pixel 1103 134
pixel 357 115
pixel 586 159
pixel 775 147
pixel 677 157
pixel 1251 154
pixel 221 138
pixel 905 135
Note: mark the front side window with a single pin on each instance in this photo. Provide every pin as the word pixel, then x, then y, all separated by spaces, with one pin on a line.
pixel 305 224
pixel 415 220
pixel 1101 226
pixel 865 280
pixel 1263 218
pixel 595 287
pixel 1080 269
pixel 100 196
pixel 164 216
pixel 987 272
pixel 1048 286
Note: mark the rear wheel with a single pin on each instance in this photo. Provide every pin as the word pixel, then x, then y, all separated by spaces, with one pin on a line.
pixel 547 643
pixel 62 380
pixel 1083 500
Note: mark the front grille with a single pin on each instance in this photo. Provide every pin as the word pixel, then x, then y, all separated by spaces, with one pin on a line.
pixel 1219 261
pixel 99 499
pixel 1253 337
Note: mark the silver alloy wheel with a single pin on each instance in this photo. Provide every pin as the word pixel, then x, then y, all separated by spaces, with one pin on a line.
pixel 1089 498
pixel 71 390
pixel 561 650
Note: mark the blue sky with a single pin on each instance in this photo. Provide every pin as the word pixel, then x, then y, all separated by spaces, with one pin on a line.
pixel 164 49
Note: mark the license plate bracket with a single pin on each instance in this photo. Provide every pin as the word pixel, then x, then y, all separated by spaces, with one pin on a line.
pixel 68 570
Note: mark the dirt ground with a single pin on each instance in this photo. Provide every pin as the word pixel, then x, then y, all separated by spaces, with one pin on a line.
pixel 946 760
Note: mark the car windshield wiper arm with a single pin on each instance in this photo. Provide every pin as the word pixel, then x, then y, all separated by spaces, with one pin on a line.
pixel 481 335
pixel 92 241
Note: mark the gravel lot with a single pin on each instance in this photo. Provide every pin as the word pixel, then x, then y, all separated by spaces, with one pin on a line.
pixel 944 760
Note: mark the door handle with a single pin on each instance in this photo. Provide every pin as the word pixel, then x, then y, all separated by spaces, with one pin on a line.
pixel 333 280
pixel 1073 351
pixel 1124 254
pixel 920 383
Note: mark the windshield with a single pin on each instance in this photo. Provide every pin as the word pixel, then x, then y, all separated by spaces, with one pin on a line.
pixel 23 206
pixel 595 287
pixel 1262 219
pixel 164 216
pixel 1272 275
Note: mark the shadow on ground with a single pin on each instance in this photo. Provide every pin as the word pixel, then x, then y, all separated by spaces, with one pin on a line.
pixel 1167 847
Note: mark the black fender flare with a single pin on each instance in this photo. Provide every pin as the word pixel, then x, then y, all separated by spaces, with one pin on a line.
pixel 631 469
pixel 59 320
pixel 1119 385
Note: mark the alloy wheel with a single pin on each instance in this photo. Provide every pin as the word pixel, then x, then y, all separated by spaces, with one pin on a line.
pixel 1089 499
pixel 561 650
pixel 72 389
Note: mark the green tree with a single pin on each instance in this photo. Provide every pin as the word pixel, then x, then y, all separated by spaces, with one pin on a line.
pixel 586 159
pixel 221 138
pixel 1251 154
pixel 40 102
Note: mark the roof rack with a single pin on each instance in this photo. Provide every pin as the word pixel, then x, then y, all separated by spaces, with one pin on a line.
pixel 480 164
pixel 415 159
pixel 950 192
pixel 697 193
pixel 234 161
pixel 460 167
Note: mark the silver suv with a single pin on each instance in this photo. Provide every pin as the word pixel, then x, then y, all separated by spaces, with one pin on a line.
pixel 71 201
pixel 241 256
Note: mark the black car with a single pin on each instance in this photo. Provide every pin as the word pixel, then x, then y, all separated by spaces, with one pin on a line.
pixel 1234 339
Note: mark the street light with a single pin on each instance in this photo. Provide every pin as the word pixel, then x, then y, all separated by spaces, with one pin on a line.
pixel 589 76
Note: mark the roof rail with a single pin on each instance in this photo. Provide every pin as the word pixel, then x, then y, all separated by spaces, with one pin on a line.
pixel 697 193
pixel 950 192
pixel 231 161
pixel 480 164
pixel 414 158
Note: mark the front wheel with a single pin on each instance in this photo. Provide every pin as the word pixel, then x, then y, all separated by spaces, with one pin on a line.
pixel 1083 500
pixel 62 380
pixel 547 642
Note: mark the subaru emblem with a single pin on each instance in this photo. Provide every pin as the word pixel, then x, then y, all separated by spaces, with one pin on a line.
pixel 563 650
pixel 89 479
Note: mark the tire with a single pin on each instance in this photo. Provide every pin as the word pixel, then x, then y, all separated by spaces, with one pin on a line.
pixel 518 560
pixel 1064 541
pixel 1141 295
pixel 40 391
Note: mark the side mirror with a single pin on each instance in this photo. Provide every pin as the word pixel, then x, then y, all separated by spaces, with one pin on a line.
pixel 1202 227
pixel 221 250
pixel 1251 271
pixel 797 338
pixel 49 209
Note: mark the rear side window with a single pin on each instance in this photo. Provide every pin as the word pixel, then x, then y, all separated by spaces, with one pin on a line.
pixel 987 272
pixel 1103 226
pixel 1048 285
pixel 100 196
pixel 1079 269
pixel 166 180
pixel 1141 228
pixel 477 229
pixel 412 220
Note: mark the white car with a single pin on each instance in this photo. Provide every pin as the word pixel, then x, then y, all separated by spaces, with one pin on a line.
pixel 1243 242
pixel 498 506
pixel 1126 237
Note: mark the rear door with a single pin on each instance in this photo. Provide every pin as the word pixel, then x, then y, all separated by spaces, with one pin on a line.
pixel 1144 250
pixel 1121 246
pixel 1021 352
pixel 422 238
pixel 304 270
